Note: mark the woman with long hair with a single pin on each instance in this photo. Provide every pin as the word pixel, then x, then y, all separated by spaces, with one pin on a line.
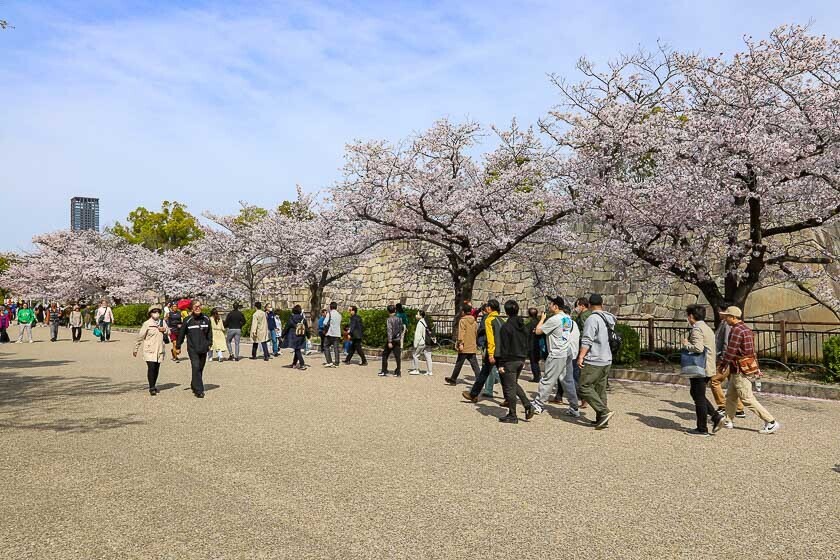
pixel 219 345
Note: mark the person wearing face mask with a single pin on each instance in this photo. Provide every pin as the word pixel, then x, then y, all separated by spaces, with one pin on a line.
pixel 198 333
pixel 151 338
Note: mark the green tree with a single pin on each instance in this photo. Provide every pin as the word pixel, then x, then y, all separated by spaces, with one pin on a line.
pixel 170 228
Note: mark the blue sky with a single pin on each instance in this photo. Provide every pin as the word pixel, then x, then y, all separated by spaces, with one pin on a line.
pixel 210 103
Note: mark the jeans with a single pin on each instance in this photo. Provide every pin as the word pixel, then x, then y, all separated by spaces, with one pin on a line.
pixel 105 330
pixel 556 374
pixel 298 359
pixel 54 330
pixel 197 361
pixel 593 387
pixel 264 349
pixel 396 351
pixel 77 333
pixel 153 369
pixel 421 351
pixel 702 407
pixel 333 347
pixel 484 377
pixel 233 335
pixel 275 342
pixel 25 329
pixel 511 388
pixel 535 363
pixel 356 347
pixel 460 362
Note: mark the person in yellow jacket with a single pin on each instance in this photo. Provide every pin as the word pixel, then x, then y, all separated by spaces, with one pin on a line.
pixel 488 373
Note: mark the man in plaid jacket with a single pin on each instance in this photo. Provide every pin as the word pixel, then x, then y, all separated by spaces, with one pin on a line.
pixel 741 345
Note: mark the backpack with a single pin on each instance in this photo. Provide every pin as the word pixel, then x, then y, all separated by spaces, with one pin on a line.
pixel 300 328
pixel 614 338
pixel 481 333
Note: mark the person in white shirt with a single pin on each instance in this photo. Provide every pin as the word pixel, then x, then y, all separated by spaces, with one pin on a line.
pixel 558 331
pixel 422 341
pixel 104 318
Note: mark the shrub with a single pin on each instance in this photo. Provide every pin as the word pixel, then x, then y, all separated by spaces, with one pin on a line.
pixel 375 328
pixel 831 359
pixel 628 354
pixel 248 313
pixel 131 315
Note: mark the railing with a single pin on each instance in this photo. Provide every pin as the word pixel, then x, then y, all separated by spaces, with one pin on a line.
pixel 790 343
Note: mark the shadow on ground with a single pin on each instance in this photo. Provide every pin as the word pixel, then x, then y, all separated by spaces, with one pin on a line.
pixel 27 401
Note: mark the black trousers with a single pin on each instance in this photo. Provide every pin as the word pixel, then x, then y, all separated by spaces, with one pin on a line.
pixel 534 358
pixel 702 407
pixel 298 359
pixel 483 374
pixel 396 351
pixel 356 348
pixel 264 349
pixel 77 333
pixel 459 363
pixel 4 336
pixel 153 369
pixel 197 361
pixel 511 388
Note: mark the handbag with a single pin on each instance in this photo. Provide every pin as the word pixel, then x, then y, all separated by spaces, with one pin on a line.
pixel 165 335
pixel 693 363
pixel 748 366
pixel 97 332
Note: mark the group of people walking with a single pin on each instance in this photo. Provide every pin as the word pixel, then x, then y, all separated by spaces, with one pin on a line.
pixel 576 346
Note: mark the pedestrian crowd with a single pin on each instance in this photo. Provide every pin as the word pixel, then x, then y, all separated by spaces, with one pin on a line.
pixel 576 346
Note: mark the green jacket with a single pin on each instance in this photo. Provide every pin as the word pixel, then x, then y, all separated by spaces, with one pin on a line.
pixel 581 318
pixel 25 316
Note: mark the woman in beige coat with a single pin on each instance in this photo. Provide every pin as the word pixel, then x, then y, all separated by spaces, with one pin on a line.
pixel 219 333
pixel 259 332
pixel 700 342
pixel 151 338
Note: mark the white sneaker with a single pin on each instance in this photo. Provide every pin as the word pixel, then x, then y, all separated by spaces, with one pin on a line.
pixel 573 412
pixel 770 428
pixel 428 374
pixel 728 424
pixel 414 372
pixel 537 408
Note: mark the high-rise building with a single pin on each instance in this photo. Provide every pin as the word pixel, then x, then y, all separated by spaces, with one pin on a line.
pixel 84 213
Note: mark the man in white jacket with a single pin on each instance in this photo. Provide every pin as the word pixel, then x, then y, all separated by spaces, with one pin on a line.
pixel 422 334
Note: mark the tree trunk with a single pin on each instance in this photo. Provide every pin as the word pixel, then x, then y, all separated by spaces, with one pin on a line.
pixel 316 294
pixel 463 288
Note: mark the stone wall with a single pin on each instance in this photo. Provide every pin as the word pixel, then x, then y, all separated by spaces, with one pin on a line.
pixel 391 276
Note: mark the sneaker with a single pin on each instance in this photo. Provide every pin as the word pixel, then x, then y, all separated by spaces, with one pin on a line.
pixel 728 424
pixel 696 432
pixel 537 408
pixel 428 374
pixel 717 423
pixel 509 420
pixel 450 381
pixel 383 373
pixel 414 372
pixel 529 413
pixel 604 421
pixel 741 414
pixel 574 412
pixel 770 428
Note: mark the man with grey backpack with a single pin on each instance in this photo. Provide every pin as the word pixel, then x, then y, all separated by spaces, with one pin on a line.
pixel 595 359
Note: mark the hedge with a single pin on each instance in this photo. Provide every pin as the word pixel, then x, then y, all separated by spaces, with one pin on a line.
pixel 831 359
pixel 131 315
pixel 628 354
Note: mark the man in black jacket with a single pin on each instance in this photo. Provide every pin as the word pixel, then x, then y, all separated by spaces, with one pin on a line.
pixel 356 333
pixel 512 349
pixel 234 322
pixel 199 335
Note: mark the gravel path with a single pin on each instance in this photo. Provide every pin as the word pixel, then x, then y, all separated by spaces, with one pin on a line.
pixel 278 463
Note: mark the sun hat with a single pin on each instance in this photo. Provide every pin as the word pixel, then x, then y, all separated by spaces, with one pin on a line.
pixel 154 307
pixel 732 311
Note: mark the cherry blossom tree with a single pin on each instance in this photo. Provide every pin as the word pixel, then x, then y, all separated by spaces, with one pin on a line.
pixel 71 266
pixel 460 214
pixel 717 171
pixel 311 243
